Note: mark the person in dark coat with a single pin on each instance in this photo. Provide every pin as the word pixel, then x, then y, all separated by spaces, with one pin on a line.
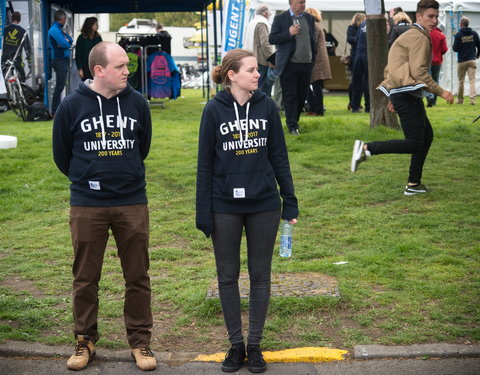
pixel 88 38
pixel 332 43
pixel 467 44
pixel 293 32
pixel 352 32
pixel 360 72
pixel 321 69
pixel 402 23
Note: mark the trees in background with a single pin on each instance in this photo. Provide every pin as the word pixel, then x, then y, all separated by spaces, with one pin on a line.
pixel 178 19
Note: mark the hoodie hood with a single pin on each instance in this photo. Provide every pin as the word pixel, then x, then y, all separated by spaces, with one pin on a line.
pixel 466 30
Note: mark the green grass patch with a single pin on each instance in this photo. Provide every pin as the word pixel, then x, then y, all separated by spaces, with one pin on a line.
pixel 412 274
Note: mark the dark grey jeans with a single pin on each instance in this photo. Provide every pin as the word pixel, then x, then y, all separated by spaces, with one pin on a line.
pixel 261 231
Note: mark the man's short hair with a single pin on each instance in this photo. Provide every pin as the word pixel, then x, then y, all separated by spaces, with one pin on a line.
pixel 98 56
pixel 16 16
pixel 423 5
pixel 59 14
pixel 262 9
pixel 464 22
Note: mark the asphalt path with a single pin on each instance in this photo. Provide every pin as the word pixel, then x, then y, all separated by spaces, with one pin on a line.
pixel 446 366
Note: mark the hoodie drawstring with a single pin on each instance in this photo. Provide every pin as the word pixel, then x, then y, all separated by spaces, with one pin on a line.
pixel 239 123
pixel 119 118
pixel 104 142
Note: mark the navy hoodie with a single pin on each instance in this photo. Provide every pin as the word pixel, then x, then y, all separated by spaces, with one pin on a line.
pixel 100 145
pixel 467 44
pixel 239 166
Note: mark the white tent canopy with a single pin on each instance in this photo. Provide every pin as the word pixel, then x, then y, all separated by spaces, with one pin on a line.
pixel 338 14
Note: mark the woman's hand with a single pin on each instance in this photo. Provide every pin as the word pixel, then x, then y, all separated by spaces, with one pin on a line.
pixel 293 221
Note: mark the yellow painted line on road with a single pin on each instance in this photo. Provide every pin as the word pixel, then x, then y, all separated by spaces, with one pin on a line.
pixel 309 354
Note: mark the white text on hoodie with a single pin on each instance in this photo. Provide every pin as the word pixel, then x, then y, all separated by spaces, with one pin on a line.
pixel 94 123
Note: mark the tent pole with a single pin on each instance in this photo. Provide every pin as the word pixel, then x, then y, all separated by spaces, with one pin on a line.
pixel 215 51
pixel 208 56
pixel 203 52
pixel 45 9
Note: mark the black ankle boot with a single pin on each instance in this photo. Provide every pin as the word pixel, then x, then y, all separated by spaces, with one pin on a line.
pixel 256 363
pixel 234 358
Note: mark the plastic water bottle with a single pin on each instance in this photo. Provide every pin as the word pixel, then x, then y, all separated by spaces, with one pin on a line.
pixel 286 239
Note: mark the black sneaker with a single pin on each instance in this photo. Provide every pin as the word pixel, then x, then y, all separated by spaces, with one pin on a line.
pixel 234 358
pixel 256 363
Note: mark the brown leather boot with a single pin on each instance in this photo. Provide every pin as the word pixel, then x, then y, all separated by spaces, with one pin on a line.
pixel 84 352
pixel 144 358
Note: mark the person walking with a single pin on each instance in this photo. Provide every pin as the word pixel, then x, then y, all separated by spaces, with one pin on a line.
pixel 406 76
pixel 256 40
pixel 467 44
pixel 59 44
pixel 16 38
pixel 101 136
pixel 242 156
pixel 360 72
pixel 321 68
pixel 439 48
pixel 88 39
pixel 352 33
pixel 293 32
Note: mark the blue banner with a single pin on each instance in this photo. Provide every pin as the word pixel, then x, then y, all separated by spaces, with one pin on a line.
pixel 3 16
pixel 3 19
pixel 233 24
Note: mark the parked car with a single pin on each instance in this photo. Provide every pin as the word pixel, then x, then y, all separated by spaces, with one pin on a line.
pixel 139 26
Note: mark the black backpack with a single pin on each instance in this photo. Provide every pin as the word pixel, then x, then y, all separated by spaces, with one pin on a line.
pixel 38 112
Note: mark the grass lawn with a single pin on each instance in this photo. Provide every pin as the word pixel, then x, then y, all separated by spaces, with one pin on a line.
pixel 413 262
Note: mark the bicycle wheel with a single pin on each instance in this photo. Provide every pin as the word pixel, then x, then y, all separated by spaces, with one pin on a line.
pixel 20 102
pixel 12 95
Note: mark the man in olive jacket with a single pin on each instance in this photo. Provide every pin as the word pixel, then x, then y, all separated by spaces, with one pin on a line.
pixel 406 76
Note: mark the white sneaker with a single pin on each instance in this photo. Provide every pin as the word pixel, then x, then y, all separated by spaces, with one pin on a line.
pixel 414 190
pixel 358 155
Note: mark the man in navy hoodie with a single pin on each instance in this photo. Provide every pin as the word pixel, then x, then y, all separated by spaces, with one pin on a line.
pixel 101 136
pixel 467 44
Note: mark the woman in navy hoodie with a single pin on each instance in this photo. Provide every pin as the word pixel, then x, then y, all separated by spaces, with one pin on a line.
pixel 242 157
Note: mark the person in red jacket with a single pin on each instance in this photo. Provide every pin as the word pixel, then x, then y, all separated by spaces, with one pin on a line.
pixel 439 48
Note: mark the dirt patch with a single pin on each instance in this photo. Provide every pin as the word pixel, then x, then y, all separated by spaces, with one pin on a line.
pixel 18 284
pixel 167 336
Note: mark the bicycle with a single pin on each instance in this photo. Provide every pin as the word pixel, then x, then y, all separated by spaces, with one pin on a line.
pixel 16 98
